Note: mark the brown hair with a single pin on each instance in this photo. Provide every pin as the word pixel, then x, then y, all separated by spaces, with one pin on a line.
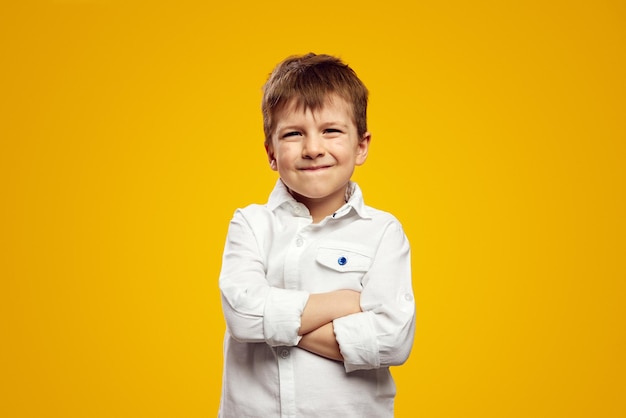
pixel 309 80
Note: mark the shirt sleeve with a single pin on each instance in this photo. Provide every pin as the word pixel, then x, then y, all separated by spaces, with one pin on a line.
pixel 382 335
pixel 255 311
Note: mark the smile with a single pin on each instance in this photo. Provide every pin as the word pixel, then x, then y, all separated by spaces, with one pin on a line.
pixel 315 168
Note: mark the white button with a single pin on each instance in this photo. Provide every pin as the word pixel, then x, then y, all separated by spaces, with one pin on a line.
pixel 408 297
pixel 284 353
pixel 299 242
pixel 297 210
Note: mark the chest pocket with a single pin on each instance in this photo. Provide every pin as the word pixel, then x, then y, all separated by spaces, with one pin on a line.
pixel 341 260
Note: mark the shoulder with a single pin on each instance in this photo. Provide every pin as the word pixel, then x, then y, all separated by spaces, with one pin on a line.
pixel 374 226
pixel 252 223
pixel 253 209
pixel 253 214
pixel 381 217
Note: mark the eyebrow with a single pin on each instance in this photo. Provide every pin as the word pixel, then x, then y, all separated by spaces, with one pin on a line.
pixel 290 126
pixel 334 123
pixel 325 125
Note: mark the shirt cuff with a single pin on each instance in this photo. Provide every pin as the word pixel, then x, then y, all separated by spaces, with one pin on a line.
pixel 281 319
pixel 357 341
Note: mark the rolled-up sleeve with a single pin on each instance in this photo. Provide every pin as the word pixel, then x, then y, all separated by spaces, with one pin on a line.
pixel 255 311
pixel 382 335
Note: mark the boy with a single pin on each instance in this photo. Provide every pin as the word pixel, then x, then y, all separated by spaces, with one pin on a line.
pixel 316 286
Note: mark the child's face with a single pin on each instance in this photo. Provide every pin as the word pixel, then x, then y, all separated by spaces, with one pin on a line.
pixel 315 153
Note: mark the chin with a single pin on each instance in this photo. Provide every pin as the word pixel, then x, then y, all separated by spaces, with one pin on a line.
pixel 311 194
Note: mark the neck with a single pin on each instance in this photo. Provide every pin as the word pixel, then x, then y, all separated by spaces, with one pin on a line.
pixel 319 208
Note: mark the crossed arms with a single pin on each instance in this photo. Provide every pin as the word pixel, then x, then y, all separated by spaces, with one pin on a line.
pixel 373 327
pixel 316 326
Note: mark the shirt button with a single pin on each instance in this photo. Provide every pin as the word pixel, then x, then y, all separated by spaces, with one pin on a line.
pixel 408 297
pixel 297 210
pixel 299 242
pixel 284 353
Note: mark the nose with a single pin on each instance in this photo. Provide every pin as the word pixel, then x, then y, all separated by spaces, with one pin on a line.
pixel 313 147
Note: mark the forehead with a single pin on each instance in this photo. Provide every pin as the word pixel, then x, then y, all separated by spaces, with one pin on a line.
pixel 333 106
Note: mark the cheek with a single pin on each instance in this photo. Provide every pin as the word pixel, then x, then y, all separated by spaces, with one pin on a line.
pixel 346 153
pixel 285 152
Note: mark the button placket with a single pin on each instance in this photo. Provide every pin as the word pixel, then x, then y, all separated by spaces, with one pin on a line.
pixel 286 382
pixel 292 257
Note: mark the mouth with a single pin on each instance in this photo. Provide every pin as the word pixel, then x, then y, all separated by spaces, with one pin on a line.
pixel 315 168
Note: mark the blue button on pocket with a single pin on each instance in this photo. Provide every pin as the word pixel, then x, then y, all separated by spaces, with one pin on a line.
pixel 343 260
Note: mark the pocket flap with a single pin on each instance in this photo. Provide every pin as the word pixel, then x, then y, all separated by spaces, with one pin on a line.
pixel 343 260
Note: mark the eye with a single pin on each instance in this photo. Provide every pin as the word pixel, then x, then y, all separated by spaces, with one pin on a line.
pixel 290 134
pixel 332 131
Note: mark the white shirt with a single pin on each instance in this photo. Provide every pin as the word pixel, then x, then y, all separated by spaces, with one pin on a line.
pixel 274 258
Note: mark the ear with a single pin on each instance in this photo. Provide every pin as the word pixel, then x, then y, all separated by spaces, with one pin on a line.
pixel 363 148
pixel 269 150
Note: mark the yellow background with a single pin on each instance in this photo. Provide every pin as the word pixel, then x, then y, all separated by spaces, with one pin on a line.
pixel 130 132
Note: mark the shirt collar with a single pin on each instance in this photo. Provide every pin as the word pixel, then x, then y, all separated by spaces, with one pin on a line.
pixel 280 196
